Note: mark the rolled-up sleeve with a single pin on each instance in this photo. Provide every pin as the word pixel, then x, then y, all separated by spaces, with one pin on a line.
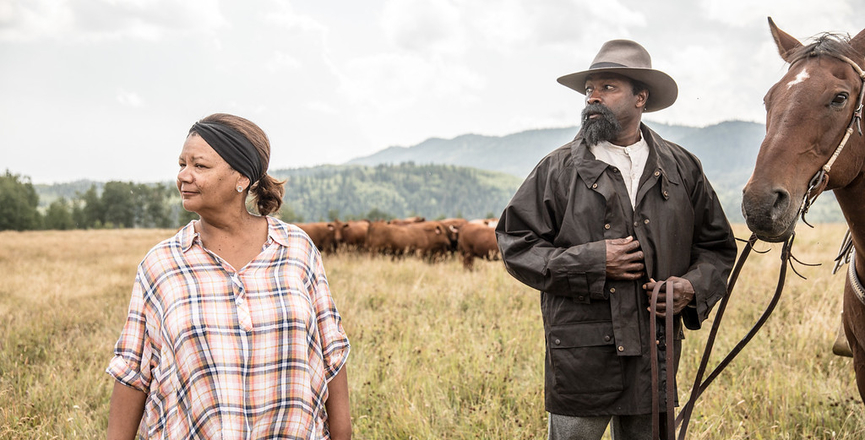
pixel 133 352
pixel 334 341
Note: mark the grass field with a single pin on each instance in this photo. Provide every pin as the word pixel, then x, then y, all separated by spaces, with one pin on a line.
pixel 437 352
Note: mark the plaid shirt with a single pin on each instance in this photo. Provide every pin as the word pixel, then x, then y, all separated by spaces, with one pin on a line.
pixel 232 354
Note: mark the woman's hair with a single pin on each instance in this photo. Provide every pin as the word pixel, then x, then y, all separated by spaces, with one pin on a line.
pixel 268 191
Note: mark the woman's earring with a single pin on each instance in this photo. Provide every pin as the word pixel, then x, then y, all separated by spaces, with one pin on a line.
pixel 239 188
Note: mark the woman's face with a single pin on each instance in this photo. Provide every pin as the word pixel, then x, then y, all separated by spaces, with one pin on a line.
pixel 205 180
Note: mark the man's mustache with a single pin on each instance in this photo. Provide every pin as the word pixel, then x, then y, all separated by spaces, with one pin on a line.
pixel 594 109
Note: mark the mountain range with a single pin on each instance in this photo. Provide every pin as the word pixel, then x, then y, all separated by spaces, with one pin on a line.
pixel 727 150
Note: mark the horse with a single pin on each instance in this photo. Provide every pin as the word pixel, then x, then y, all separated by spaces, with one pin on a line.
pixel 813 143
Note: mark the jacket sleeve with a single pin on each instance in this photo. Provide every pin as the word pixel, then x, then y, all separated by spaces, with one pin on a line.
pixel 713 252
pixel 526 234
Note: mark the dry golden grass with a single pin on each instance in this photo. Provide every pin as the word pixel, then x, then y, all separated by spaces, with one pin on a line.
pixel 437 352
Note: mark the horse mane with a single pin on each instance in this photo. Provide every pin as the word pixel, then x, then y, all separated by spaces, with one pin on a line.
pixel 827 43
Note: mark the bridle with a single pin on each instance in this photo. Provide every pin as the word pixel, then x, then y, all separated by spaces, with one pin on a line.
pixel 821 178
pixel 816 186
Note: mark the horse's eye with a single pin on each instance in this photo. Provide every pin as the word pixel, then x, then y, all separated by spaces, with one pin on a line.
pixel 840 98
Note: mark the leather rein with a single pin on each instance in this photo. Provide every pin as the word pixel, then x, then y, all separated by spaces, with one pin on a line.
pixel 816 186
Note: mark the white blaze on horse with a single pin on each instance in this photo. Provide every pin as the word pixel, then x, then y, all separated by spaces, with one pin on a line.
pixel 813 142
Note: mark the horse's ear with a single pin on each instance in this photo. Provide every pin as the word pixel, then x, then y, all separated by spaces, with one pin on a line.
pixel 786 43
pixel 858 43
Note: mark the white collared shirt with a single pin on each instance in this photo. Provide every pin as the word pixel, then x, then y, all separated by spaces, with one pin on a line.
pixel 630 161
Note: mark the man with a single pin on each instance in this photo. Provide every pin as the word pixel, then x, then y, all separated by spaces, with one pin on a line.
pixel 594 226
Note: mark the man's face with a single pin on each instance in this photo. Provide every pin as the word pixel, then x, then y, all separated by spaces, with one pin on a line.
pixel 610 101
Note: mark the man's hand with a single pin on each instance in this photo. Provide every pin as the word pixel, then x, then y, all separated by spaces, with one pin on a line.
pixel 683 293
pixel 624 259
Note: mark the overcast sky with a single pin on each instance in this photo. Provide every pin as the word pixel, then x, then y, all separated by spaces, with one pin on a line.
pixel 107 89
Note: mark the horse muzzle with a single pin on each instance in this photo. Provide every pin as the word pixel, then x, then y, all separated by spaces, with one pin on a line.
pixel 771 214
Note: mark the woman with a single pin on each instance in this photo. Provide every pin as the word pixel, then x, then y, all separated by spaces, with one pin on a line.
pixel 232 332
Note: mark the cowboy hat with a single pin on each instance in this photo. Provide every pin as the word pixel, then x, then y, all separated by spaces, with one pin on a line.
pixel 627 58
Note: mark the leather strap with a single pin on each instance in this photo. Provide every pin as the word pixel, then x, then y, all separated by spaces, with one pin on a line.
pixel 670 433
pixel 853 279
pixel 701 385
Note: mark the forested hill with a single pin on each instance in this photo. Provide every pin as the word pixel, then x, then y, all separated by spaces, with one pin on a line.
pixel 387 191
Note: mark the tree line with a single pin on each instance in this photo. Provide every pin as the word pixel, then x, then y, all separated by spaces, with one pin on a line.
pixel 312 194
pixel 394 191
pixel 113 204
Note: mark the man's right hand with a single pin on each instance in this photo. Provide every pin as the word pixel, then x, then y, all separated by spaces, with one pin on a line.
pixel 624 259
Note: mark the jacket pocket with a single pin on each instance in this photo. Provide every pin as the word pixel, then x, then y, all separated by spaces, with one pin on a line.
pixel 584 360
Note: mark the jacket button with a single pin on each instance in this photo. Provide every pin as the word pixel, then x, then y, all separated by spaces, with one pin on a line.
pixel 558 341
pixel 607 338
pixel 657 173
pixel 666 194
pixel 621 348
pixel 636 224
pixel 581 297
pixel 607 226
pixel 612 290
pixel 646 221
pixel 594 186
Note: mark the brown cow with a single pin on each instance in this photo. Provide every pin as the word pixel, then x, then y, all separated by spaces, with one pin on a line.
pixel 324 235
pixel 354 234
pixel 406 221
pixel 477 240
pixel 428 239
pixel 456 222
pixel 491 222
pixel 454 225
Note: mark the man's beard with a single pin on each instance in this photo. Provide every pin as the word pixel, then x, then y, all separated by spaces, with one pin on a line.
pixel 597 130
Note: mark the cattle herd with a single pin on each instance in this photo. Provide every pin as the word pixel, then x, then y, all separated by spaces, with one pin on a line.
pixel 415 236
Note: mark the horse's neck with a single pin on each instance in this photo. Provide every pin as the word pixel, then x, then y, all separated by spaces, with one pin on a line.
pixel 850 198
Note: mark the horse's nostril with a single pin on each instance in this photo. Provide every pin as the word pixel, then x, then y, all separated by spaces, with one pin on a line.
pixel 782 200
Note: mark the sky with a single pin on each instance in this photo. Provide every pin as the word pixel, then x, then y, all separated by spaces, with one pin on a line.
pixel 107 89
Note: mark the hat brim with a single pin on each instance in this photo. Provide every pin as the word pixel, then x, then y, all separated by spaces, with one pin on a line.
pixel 663 90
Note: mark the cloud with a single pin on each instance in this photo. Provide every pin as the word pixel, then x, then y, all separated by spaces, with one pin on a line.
pixel 286 17
pixel 129 99
pixel 393 81
pixel 580 21
pixel 739 13
pixel 426 26
pixel 98 20
pixel 282 61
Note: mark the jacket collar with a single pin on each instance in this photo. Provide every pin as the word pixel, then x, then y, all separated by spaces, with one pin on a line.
pixel 660 158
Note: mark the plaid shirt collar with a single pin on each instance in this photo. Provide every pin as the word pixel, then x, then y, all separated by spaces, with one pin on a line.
pixel 187 236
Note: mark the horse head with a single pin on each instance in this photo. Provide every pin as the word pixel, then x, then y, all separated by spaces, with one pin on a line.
pixel 808 113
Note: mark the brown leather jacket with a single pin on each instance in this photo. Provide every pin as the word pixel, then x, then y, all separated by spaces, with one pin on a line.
pixel 551 236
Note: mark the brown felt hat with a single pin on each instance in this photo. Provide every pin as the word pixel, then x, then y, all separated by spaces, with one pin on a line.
pixel 627 58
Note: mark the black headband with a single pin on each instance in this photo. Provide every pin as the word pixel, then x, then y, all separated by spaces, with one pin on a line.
pixel 233 147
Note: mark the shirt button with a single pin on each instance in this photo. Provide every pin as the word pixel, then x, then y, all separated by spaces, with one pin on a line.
pixel 612 290
pixel 607 226
pixel 666 194
pixel 636 224
pixel 646 221
pixel 594 186
pixel 621 348
pixel 607 338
